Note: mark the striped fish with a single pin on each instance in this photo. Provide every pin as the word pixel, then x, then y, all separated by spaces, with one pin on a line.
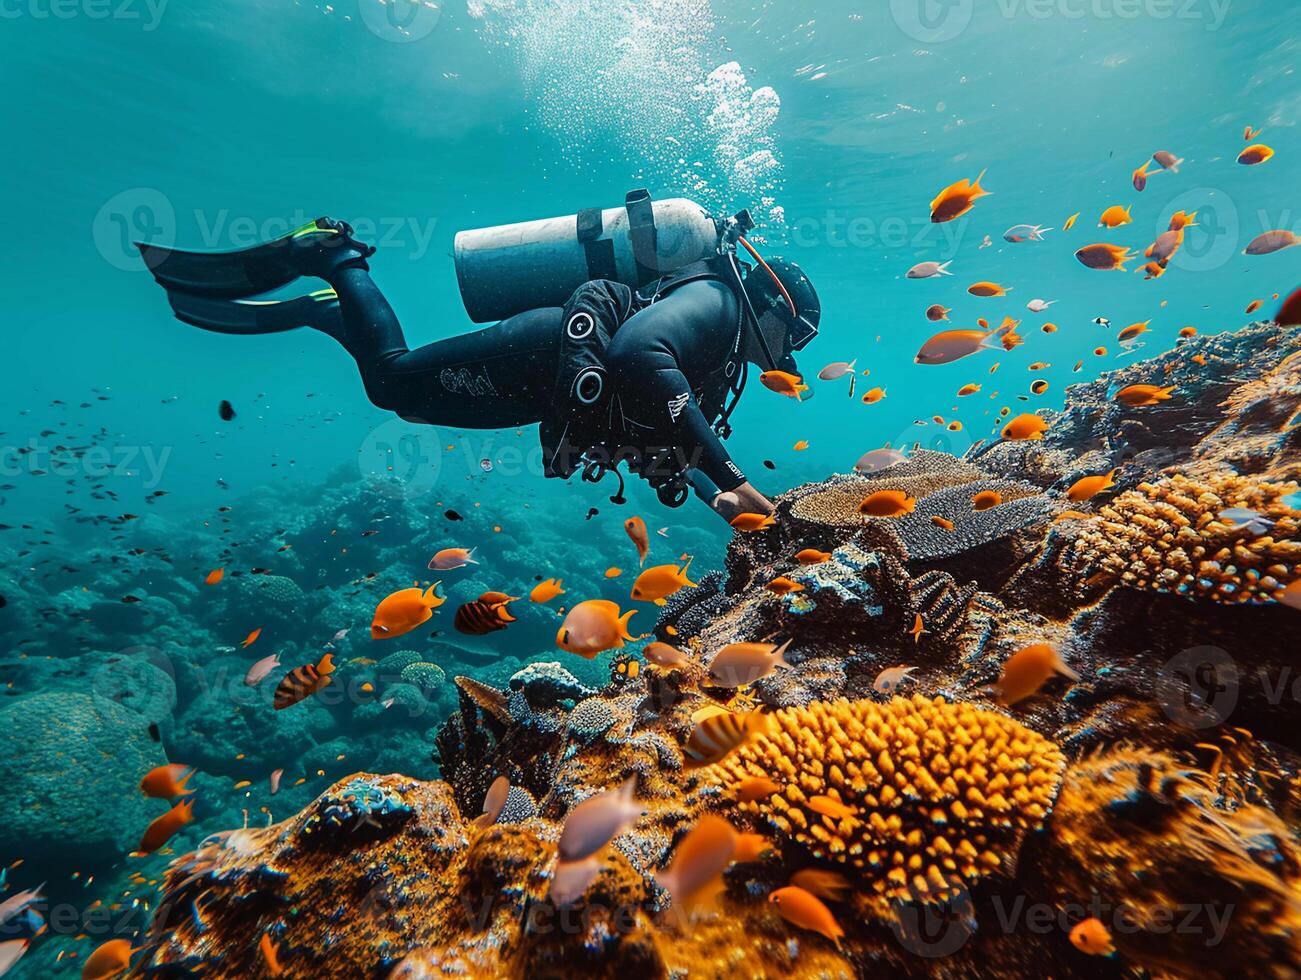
pixel 302 682
pixel 718 734
pixel 486 614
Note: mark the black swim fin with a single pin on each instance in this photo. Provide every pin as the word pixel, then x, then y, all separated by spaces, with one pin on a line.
pixel 243 316
pixel 251 271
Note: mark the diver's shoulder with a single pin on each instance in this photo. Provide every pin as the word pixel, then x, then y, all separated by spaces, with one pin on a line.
pixel 710 293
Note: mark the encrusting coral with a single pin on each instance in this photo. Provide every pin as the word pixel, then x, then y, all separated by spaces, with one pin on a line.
pixel 1168 535
pixel 924 795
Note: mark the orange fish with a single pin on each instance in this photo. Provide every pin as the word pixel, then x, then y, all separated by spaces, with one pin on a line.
pixel 1139 396
pixel 1199 359
pixel 831 807
pixel 252 637
pixel 269 954
pixel 166 782
pixel 699 859
pixel 215 576
pixel 802 909
pixel 1133 331
pixel 935 312
pixel 635 528
pixel 1038 386
pixel 1254 305
pixel 1249 134
pixel 403 611
pixel 597 820
pixel 664 655
pixel 450 559
pixel 1026 426
pixel 1181 220
pixel 741 664
pixel 800 446
pixel 986 499
pixel 753 788
pixel 659 582
pixel 1153 270
pixel 1114 216
pixel 873 396
pixel 918 628
pixel 943 522
pixel 1139 177
pixel 593 627
pixel 486 614
pixel 613 572
pixel 715 735
pixel 784 383
pixel 1092 937
pixel 1027 670
pixel 546 590
pixel 811 556
pixel 955 426
pixel 1049 328
pixel 304 681
pixel 1012 340
pixel 1069 223
pixel 751 847
pixel 986 289
pixel 783 586
pixel 1100 351
pixel 752 522
pixel 1103 256
pixel 494 801
pixel 887 503
pixel 1254 154
pixel 161 830
pixel 968 390
pixel 957 199
pixel 829 885
pixel 107 961
pixel 1089 486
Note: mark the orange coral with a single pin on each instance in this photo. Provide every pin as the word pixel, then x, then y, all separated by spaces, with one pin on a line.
pixel 941 793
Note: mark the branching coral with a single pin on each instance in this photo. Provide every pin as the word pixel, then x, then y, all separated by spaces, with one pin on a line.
pixel 918 795
pixel 1168 536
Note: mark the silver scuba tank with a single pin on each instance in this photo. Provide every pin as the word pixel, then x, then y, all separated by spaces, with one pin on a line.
pixel 512 268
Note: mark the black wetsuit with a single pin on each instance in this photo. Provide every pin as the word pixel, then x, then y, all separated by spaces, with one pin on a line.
pixel 504 375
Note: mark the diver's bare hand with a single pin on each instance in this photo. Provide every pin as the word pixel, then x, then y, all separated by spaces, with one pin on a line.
pixel 745 499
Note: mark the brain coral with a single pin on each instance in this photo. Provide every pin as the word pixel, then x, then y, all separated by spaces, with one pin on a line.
pixel 919 795
pixel 424 676
pixel 274 589
pixel 1167 536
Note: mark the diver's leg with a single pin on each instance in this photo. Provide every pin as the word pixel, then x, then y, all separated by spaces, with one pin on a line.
pixel 497 377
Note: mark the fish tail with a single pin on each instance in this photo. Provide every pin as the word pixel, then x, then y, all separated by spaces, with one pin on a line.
pixel 682 573
pixel 623 623
pixel 431 594
pixel 779 655
pixel 943 268
pixel 1063 668
pixel 325 665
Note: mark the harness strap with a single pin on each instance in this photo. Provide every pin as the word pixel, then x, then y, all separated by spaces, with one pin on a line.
pixel 645 239
pixel 599 252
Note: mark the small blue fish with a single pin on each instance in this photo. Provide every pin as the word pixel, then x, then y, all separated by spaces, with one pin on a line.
pixel 1025 233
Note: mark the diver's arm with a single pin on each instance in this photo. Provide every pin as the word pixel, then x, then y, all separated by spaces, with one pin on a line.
pixel 643 360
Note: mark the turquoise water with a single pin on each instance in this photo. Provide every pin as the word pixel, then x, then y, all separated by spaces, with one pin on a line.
pixel 210 123
pixel 214 125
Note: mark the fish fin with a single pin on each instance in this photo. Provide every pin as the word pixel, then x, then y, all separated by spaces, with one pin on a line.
pixel 431 594
pixel 325 665
pixel 778 657
pixel 1063 668
pixel 661 602
pixel 623 623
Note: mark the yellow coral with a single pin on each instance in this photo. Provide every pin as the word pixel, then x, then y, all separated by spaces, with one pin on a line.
pixel 940 793
pixel 1167 536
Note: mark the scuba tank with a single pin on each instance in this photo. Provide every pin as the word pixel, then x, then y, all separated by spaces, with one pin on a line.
pixel 508 269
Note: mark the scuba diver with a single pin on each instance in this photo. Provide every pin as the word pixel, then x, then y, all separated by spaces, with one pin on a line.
pixel 625 333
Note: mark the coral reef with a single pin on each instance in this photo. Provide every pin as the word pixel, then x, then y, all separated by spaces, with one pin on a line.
pixel 1153 782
